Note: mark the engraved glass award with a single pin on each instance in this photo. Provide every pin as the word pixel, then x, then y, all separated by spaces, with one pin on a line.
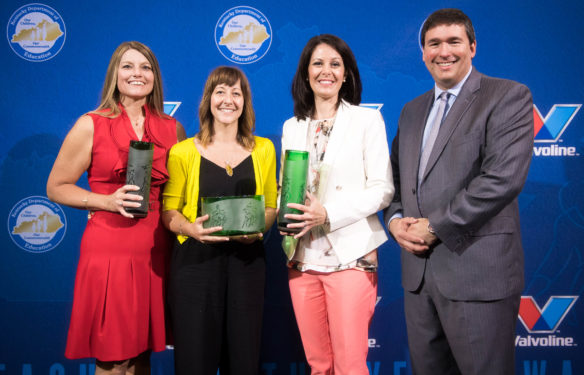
pixel 293 187
pixel 237 215
pixel 139 171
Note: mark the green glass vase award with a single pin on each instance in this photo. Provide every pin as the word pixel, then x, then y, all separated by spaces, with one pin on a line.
pixel 139 171
pixel 294 173
pixel 238 215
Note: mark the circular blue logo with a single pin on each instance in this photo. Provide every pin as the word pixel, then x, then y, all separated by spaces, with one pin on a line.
pixel 36 224
pixel 36 32
pixel 243 35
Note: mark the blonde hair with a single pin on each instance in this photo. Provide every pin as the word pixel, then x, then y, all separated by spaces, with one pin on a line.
pixel 246 122
pixel 110 95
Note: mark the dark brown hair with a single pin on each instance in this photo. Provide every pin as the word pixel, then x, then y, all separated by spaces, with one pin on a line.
pixel 448 16
pixel 302 92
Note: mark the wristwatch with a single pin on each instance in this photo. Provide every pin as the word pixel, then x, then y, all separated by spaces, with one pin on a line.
pixel 430 229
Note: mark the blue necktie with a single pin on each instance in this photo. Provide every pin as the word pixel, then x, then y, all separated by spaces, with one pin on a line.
pixel 435 127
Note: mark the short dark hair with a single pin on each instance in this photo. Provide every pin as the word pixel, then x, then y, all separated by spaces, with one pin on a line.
pixel 302 92
pixel 447 16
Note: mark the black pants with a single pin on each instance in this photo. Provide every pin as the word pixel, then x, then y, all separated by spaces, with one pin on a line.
pixel 216 298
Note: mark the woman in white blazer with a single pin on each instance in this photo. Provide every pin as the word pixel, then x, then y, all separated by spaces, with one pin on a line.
pixel 333 259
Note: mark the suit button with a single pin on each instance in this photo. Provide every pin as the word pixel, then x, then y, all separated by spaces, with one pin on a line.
pixel 339 187
pixel 414 191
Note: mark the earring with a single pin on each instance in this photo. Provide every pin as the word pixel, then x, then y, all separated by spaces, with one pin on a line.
pixel 344 80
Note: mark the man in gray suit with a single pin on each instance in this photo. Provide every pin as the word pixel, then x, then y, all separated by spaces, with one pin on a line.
pixel 455 213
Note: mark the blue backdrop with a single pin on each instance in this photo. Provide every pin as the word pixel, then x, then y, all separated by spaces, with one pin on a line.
pixel 53 63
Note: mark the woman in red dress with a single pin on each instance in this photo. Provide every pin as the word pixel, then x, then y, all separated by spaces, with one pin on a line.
pixel 118 305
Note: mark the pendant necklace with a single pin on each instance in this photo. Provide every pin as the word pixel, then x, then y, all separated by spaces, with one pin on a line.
pixel 228 168
pixel 228 160
pixel 139 121
pixel 229 165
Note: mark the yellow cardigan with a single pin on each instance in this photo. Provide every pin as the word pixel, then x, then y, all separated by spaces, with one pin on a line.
pixel 181 191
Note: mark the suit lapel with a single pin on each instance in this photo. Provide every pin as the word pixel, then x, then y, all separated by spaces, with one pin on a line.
pixel 411 137
pixel 466 97
pixel 418 132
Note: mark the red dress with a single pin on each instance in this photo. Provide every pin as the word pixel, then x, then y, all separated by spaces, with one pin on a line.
pixel 119 299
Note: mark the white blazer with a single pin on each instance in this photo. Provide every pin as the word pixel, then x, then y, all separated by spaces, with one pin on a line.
pixel 359 182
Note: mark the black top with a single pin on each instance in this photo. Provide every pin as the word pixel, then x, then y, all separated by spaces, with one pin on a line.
pixel 215 182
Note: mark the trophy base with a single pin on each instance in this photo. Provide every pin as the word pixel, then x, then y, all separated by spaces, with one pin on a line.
pixel 283 228
pixel 137 214
pixel 232 233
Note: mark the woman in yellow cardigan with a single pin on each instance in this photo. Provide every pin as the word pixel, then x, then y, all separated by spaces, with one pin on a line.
pixel 216 284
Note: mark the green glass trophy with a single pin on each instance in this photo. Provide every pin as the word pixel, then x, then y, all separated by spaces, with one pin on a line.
pixel 139 171
pixel 238 215
pixel 293 187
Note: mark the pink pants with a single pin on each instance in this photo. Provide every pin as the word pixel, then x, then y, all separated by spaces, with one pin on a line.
pixel 333 312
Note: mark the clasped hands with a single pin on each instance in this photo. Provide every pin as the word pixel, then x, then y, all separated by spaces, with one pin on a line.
pixel 412 234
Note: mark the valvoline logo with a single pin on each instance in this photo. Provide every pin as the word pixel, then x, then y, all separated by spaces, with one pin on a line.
pixel 548 318
pixel 548 129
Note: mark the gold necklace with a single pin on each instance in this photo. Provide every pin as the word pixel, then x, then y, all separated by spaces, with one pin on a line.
pixel 228 168
pixel 227 160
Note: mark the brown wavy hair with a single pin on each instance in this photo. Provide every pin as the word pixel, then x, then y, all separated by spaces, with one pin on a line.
pixel 246 123
pixel 110 95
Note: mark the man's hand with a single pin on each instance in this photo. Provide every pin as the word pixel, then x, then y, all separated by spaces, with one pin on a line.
pixel 420 230
pixel 412 242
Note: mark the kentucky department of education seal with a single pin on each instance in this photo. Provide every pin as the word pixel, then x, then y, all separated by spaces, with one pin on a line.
pixel 36 224
pixel 243 35
pixel 36 32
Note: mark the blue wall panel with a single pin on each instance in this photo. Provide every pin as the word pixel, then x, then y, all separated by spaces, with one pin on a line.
pixel 536 43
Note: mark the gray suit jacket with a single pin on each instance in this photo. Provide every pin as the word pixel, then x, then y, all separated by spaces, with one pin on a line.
pixel 476 170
